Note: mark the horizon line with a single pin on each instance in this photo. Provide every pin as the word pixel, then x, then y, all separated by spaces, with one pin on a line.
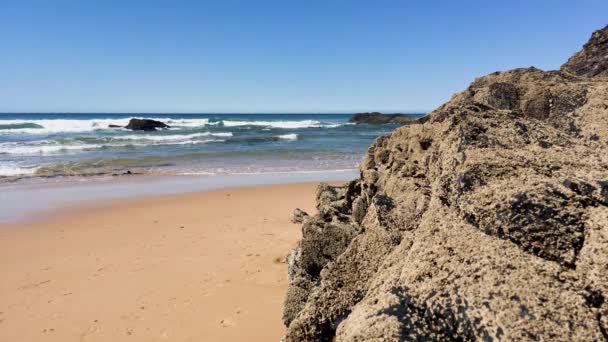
pixel 225 113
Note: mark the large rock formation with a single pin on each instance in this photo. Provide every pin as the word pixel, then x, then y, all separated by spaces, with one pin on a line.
pixel 376 118
pixel 591 60
pixel 487 221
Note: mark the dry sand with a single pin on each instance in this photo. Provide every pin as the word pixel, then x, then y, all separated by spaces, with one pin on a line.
pixel 206 266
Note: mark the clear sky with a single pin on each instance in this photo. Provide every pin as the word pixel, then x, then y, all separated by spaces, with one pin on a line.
pixel 273 56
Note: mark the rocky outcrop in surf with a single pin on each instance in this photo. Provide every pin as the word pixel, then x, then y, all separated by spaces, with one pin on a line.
pixel 145 125
pixel 377 118
pixel 487 220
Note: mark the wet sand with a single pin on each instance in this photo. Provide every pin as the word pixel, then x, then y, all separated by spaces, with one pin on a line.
pixel 205 266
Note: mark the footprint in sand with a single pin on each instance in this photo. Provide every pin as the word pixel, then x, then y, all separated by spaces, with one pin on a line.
pixel 227 323
pixel 33 285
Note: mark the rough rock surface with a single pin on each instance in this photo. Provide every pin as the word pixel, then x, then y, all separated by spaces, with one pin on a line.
pixel 299 215
pixel 379 118
pixel 488 220
pixel 145 125
pixel 591 60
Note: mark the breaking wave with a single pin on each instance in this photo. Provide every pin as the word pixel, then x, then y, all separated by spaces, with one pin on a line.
pixel 54 147
pixel 43 145
pixel 281 124
pixel 15 170
pixel 50 126
pixel 175 137
pixel 292 136
pixel 47 126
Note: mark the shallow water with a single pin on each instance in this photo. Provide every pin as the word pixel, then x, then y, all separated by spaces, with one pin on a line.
pixel 28 200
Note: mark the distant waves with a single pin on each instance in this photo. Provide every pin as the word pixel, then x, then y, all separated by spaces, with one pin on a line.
pixel 66 125
pixel 50 145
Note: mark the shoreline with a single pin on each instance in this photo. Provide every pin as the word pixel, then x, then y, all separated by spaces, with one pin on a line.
pixel 44 198
pixel 46 145
pixel 205 265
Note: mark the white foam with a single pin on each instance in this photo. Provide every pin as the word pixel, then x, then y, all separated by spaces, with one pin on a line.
pixel 83 125
pixel 266 171
pixel 222 134
pixel 275 124
pixel 190 123
pixel 14 170
pixel 45 147
pixel 175 137
pixel 189 142
pixel 49 126
pixel 62 125
pixel 162 143
pixel 292 136
pixel 14 148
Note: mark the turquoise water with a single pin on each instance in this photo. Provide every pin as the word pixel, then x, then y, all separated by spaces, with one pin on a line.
pixel 44 146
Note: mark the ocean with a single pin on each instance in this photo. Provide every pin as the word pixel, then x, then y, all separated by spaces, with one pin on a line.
pixel 39 147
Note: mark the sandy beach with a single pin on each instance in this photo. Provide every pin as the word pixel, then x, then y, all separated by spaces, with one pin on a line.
pixel 205 266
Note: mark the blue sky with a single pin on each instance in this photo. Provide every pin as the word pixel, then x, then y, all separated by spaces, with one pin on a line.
pixel 273 56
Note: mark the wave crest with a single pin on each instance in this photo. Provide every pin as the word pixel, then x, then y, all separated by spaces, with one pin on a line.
pixel 54 147
pixel 280 124
pixel 176 137
pixel 47 126
pixel 291 136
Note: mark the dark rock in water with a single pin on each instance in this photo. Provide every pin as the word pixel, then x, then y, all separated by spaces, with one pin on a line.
pixel 592 60
pixel 126 173
pixel 299 216
pixel 145 125
pixel 115 126
pixel 379 118
pixel 485 221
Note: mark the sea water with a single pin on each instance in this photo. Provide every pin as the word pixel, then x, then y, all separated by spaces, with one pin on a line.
pixel 46 146
pixel 50 161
